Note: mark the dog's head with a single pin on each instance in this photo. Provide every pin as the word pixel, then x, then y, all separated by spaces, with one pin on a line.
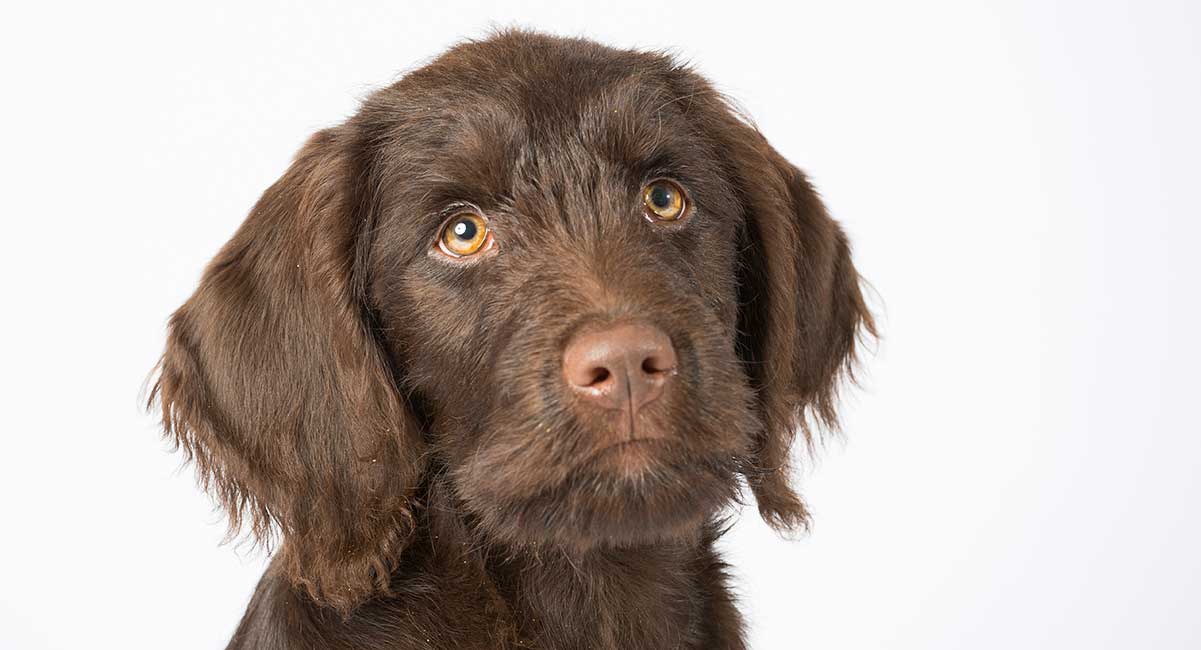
pixel 565 279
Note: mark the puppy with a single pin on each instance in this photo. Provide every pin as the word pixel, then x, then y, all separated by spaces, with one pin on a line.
pixel 492 356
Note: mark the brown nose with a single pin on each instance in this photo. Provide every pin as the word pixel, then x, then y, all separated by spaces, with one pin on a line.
pixel 623 366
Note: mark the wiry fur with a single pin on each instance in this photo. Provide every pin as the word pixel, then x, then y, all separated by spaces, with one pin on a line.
pixel 401 421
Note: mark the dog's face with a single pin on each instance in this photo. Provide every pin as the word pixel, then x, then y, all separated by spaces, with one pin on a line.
pixel 561 281
pixel 562 278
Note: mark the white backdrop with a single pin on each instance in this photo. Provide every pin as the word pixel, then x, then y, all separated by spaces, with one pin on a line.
pixel 1020 181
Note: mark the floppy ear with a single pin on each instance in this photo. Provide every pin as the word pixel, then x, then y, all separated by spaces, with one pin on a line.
pixel 801 312
pixel 273 383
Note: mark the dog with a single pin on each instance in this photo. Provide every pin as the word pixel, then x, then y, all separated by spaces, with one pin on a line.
pixel 489 362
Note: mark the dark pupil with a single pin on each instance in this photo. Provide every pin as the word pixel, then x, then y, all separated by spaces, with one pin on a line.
pixel 465 230
pixel 661 196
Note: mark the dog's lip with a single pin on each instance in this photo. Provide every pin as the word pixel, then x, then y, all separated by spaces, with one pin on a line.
pixel 639 450
pixel 641 440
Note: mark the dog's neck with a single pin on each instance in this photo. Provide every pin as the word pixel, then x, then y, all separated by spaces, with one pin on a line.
pixel 654 596
pixel 628 598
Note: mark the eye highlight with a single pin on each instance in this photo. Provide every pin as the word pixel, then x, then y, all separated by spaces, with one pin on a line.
pixel 664 200
pixel 463 235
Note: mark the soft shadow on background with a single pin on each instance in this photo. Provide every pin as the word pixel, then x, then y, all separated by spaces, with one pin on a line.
pixel 1019 180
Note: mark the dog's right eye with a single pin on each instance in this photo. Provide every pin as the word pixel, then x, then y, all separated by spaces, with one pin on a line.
pixel 664 200
pixel 464 234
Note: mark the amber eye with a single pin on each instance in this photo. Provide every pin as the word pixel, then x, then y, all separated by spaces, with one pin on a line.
pixel 664 200
pixel 464 234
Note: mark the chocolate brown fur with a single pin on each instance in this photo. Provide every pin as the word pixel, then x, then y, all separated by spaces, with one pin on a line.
pixel 400 424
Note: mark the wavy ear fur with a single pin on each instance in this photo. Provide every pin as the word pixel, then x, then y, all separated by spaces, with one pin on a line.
pixel 273 383
pixel 802 311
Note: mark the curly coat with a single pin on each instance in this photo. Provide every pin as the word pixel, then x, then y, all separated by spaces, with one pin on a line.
pixel 398 421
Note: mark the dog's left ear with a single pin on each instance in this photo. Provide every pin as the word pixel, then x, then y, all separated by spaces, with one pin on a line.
pixel 801 311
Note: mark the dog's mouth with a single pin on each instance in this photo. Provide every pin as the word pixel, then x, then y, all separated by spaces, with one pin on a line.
pixel 552 470
pixel 619 490
pixel 631 457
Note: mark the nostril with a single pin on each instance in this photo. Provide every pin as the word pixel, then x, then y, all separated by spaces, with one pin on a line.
pixel 590 376
pixel 599 376
pixel 654 365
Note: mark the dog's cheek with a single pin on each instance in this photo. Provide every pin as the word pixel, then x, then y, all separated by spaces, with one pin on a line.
pixel 520 442
pixel 441 330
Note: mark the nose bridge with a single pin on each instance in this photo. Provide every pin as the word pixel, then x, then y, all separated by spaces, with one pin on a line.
pixel 610 266
pixel 605 294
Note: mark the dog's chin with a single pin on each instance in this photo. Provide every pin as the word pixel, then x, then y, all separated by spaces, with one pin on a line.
pixel 629 494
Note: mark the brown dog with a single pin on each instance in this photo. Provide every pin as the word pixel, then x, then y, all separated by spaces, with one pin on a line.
pixel 493 354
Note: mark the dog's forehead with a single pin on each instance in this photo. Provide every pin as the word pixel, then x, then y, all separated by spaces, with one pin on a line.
pixel 610 103
pixel 487 119
pixel 547 78
pixel 622 122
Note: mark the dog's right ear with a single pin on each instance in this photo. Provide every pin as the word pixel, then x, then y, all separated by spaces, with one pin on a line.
pixel 274 384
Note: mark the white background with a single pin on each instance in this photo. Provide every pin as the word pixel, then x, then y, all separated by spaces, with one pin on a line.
pixel 1020 181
